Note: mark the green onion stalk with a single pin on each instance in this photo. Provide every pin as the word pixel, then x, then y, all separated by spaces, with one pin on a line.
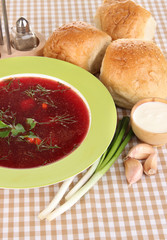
pixel 122 136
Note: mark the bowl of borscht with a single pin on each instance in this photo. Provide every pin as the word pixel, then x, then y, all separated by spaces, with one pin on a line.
pixel 56 120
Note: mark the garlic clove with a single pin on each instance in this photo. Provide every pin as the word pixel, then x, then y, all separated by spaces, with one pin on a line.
pixel 150 165
pixel 133 170
pixel 141 151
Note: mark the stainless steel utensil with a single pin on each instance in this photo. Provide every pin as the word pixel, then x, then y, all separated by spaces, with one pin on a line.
pixel 1 35
pixel 4 11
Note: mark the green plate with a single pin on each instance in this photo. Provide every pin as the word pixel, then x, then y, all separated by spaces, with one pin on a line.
pixel 101 131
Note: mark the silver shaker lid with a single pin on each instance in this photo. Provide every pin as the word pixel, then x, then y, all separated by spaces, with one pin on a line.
pixel 22 26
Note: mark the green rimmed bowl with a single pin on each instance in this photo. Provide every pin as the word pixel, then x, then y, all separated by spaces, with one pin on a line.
pixel 102 127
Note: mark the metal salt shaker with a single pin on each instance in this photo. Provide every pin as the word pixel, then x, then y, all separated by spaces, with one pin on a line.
pixel 22 38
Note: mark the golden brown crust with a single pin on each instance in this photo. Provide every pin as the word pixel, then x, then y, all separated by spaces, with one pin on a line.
pixel 134 69
pixel 76 42
pixel 125 19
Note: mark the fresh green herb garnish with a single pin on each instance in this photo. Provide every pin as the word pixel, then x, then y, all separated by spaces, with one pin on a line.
pixel 29 135
pixel 37 92
pixel 9 82
pixel 32 91
pixel 4 130
pixel 4 134
pixel 3 114
pixel 8 86
pixel 42 91
pixel 8 131
pixel 3 125
pixel 47 100
pixel 63 120
pixel 14 130
pixel 32 123
pixel 43 146
pixel 17 129
pixel 7 116
pixel 6 156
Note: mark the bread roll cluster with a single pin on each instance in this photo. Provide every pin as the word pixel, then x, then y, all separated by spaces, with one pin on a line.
pixel 133 67
pixel 120 48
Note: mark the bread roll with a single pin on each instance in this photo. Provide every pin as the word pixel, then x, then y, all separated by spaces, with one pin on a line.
pixel 133 69
pixel 125 19
pixel 78 43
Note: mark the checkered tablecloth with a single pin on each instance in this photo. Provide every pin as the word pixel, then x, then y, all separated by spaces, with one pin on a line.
pixel 110 210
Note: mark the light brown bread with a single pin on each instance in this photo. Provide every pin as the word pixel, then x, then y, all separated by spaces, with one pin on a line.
pixel 78 43
pixel 134 69
pixel 125 19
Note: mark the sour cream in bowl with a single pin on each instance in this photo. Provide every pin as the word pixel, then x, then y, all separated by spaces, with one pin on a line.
pixel 149 120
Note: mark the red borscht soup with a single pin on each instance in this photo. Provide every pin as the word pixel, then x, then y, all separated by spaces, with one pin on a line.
pixel 41 121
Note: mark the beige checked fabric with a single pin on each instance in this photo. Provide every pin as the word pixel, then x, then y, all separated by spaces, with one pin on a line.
pixel 111 209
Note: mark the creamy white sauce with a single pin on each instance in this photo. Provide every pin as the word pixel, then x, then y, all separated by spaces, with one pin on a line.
pixel 151 116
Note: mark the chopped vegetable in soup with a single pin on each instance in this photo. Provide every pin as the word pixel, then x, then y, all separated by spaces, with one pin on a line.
pixel 41 121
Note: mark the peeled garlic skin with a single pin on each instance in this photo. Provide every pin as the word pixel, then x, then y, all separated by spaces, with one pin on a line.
pixel 141 151
pixel 150 165
pixel 133 170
